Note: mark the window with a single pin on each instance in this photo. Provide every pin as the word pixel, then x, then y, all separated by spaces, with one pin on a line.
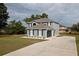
pixel 34 24
pixel 29 25
pixel 45 23
pixel 50 23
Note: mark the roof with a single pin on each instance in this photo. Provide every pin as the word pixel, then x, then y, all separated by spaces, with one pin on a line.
pixel 43 20
pixel 62 26
pixel 41 26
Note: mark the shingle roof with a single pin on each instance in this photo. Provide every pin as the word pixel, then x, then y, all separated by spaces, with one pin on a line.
pixel 41 26
pixel 43 20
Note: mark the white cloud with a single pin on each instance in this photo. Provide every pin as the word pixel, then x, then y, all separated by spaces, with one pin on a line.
pixel 63 13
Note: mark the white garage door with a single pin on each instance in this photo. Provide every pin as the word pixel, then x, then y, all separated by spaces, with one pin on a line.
pixel 35 32
pixel 44 33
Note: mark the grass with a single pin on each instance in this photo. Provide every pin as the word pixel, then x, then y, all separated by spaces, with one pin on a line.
pixel 9 43
pixel 77 39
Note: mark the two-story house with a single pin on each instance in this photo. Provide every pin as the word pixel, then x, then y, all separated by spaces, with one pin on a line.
pixel 43 28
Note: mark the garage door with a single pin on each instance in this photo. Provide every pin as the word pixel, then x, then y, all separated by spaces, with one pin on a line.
pixel 49 33
pixel 44 33
pixel 35 32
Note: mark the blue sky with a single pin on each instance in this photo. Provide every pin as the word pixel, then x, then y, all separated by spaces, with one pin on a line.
pixel 64 13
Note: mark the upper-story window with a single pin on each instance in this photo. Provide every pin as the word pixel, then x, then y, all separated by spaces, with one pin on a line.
pixel 29 25
pixel 45 23
pixel 50 23
pixel 34 24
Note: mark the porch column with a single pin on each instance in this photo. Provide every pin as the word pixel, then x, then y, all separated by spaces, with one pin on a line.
pixel 48 23
pixel 31 32
pixel 40 32
pixel 53 33
pixel 45 33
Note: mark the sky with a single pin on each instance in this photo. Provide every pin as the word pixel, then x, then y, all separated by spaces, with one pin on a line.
pixel 64 13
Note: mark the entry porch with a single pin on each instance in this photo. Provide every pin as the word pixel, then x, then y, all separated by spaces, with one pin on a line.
pixel 40 33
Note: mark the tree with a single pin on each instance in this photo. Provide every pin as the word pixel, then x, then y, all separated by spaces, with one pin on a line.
pixel 75 27
pixel 35 17
pixel 32 16
pixel 19 29
pixel 28 19
pixel 15 28
pixel 10 27
pixel 3 15
pixel 44 15
pixel 38 16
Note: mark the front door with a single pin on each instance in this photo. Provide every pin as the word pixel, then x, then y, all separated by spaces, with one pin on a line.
pixel 49 34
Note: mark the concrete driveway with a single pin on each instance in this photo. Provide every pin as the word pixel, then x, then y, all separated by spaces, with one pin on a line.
pixel 55 46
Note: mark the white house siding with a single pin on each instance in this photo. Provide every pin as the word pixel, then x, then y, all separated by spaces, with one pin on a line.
pixel 49 24
pixel 56 28
pixel 52 33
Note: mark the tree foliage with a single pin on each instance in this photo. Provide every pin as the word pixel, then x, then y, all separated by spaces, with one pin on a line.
pixel 3 15
pixel 28 19
pixel 15 28
pixel 44 15
pixel 34 17
pixel 75 27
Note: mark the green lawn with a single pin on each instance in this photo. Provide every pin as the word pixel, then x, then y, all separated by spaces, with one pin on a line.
pixel 9 43
pixel 77 39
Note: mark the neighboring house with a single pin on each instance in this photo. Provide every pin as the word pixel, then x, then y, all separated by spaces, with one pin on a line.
pixel 43 28
pixel 62 28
